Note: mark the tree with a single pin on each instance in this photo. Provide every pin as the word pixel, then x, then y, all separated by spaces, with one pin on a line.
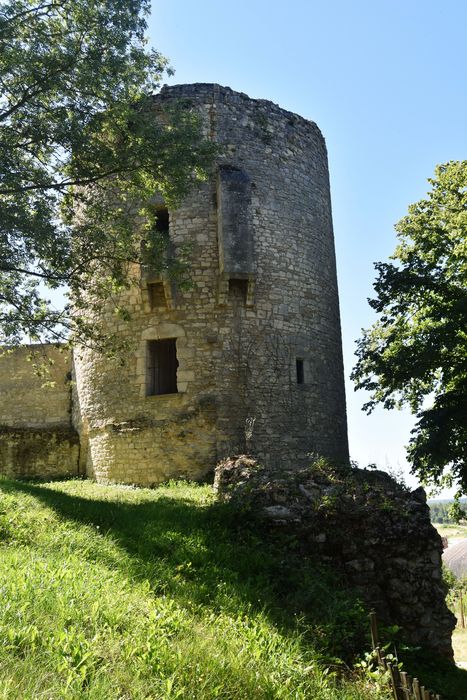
pixel 82 152
pixel 416 353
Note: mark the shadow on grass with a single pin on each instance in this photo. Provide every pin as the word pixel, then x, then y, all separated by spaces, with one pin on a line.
pixel 437 674
pixel 212 556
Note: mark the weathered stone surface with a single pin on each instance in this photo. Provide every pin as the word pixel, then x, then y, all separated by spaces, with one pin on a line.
pixel 31 398
pixel 235 223
pixel 279 513
pixel 263 294
pixel 257 335
pixel 373 529
pixel 36 436
pixel 35 453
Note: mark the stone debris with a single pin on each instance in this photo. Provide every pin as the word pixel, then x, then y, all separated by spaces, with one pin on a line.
pixel 363 522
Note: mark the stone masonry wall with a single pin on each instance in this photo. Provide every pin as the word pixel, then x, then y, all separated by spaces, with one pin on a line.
pixel 31 399
pixel 243 325
pixel 39 453
pixel 36 436
pixel 364 524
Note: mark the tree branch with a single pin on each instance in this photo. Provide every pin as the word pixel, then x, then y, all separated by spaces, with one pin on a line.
pixel 38 10
pixel 24 271
pixel 57 186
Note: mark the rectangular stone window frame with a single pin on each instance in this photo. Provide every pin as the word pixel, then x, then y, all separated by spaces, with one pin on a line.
pixel 158 295
pixel 228 284
pixel 300 370
pixel 160 224
pixel 162 219
pixel 235 222
pixel 238 290
pixel 164 330
pixel 235 235
pixel 162 366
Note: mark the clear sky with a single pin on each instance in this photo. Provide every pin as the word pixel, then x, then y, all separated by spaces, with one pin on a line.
pixel 385 80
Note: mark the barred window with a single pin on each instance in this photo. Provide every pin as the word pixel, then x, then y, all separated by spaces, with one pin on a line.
pixel 162 367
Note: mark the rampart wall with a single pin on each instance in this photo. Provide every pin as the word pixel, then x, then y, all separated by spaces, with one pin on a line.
pixel 36 435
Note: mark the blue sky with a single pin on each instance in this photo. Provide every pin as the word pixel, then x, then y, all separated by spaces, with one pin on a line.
pixel 386 84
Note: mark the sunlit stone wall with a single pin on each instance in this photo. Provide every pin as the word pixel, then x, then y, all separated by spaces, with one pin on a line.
pixel 257 335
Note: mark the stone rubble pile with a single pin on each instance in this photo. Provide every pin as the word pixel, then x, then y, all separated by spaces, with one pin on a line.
pixel 374 530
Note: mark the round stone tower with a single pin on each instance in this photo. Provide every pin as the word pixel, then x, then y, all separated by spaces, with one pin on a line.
pixel 249 358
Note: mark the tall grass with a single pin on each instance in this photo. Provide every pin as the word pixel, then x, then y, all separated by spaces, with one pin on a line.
pixel 120 593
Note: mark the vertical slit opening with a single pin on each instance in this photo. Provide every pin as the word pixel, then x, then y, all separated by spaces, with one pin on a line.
pixel 300 371
pixel 161 223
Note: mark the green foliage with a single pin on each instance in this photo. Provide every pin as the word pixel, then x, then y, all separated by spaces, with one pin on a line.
pixel 83 149
pixel 416 353
pixel 456 512
pixel 433 672
pixel 375 674
pixel 447 512
pixel 449 580
pixel 114 592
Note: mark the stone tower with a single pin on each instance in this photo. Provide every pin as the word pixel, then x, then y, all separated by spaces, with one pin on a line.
pixel 249 357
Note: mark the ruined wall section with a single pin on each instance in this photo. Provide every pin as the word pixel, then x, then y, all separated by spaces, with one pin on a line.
pixel 36 435
pixel 374 532
pixel 263 295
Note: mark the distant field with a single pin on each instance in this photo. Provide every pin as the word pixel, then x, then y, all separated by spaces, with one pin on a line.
pixel 459 643
pixel 457 532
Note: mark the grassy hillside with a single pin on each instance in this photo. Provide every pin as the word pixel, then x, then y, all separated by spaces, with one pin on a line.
pixel 118 593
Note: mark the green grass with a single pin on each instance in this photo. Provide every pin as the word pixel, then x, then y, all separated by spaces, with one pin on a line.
pixel 119 593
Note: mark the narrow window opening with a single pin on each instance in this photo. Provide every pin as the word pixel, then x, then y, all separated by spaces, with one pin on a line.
pixel 156 294
pixel 156 248
pixel 162 367
pixel 238 290
pixel 161 223
pixel 300 371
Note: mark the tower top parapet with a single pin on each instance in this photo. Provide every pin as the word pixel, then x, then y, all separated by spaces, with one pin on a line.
pixel 220 93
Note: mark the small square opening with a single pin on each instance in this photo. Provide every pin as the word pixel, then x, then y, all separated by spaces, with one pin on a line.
pixel 238 290
pixel 156 294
